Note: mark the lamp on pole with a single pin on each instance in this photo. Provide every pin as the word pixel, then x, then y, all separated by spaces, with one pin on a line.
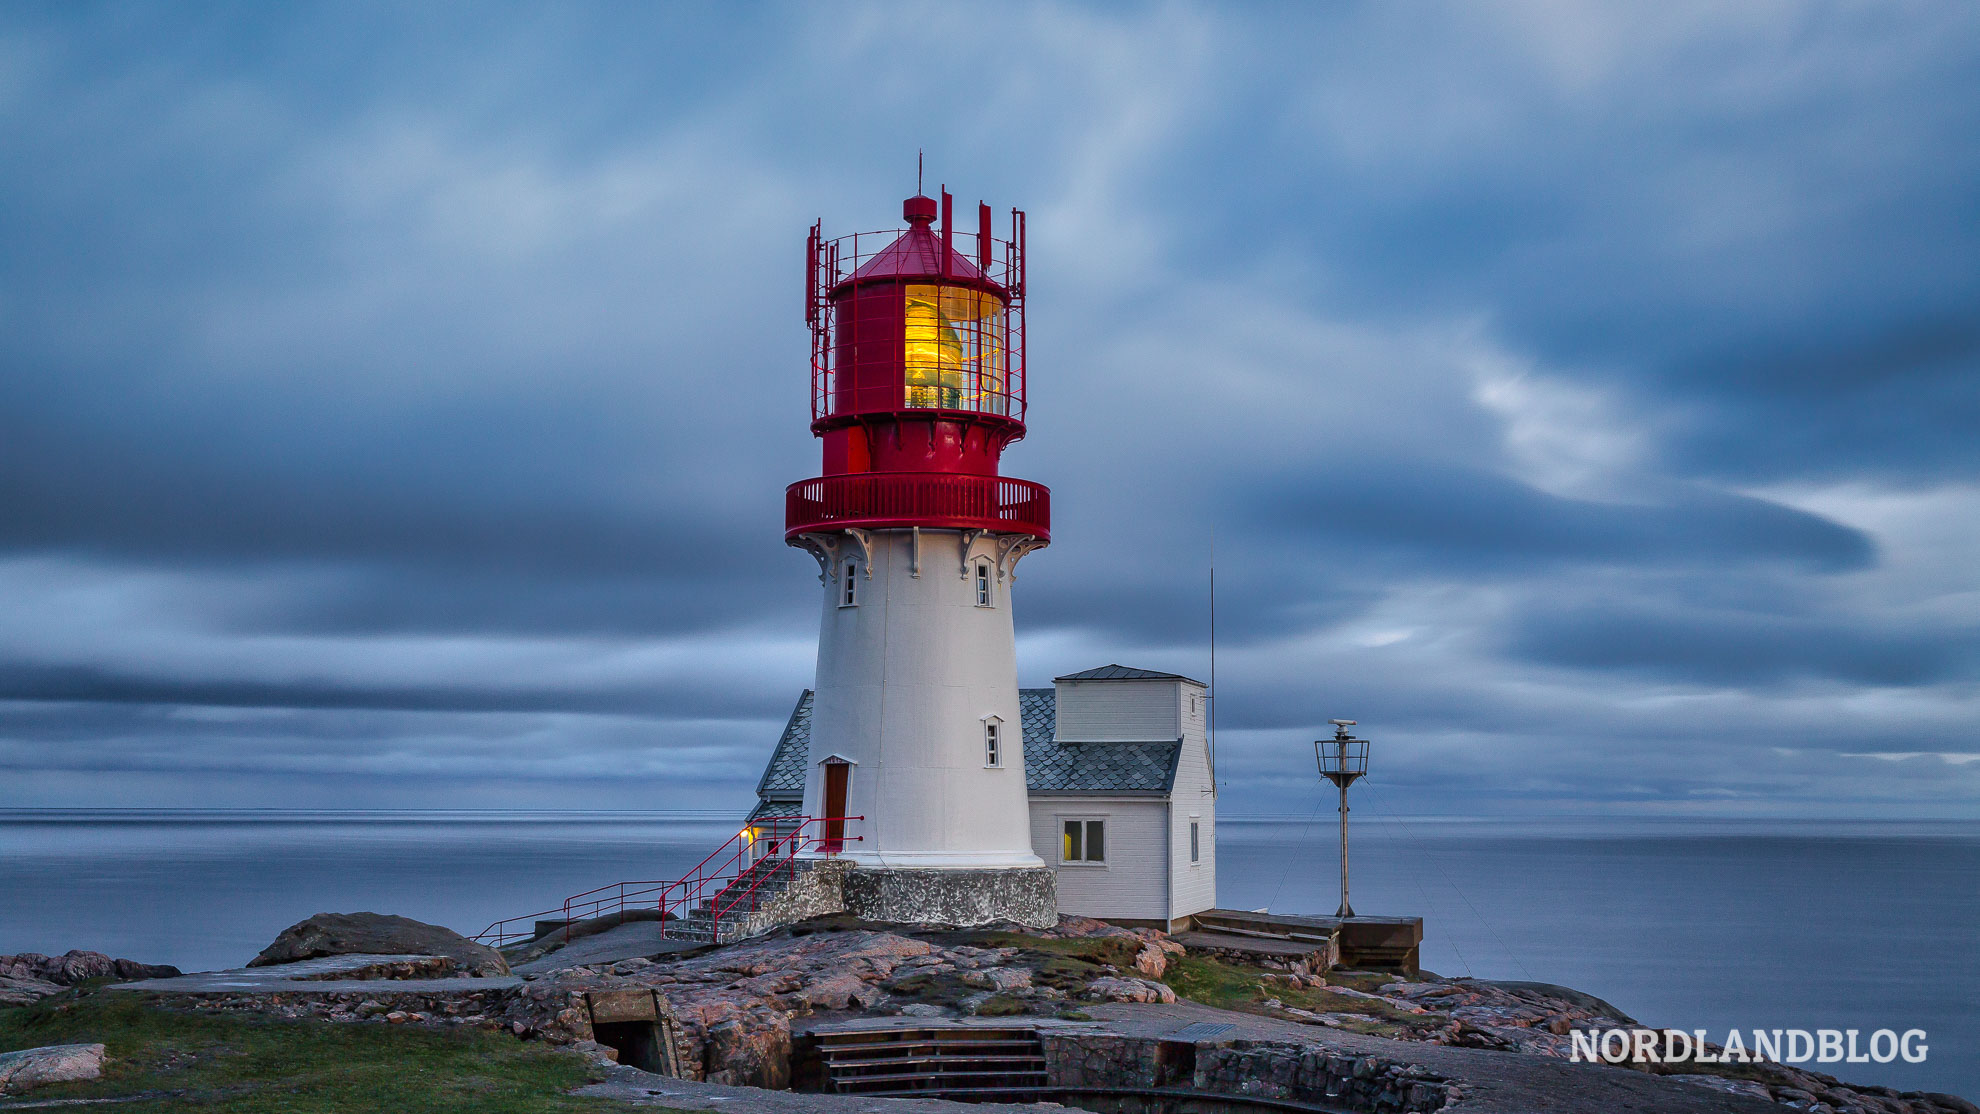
pixel 1342 760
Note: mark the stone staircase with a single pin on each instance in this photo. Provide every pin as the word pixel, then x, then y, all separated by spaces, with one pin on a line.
pixel 977 1061
pixel 771 877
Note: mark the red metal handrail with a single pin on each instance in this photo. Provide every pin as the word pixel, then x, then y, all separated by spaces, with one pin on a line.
pixel 876 500
pixel 725 902
pixel 708 880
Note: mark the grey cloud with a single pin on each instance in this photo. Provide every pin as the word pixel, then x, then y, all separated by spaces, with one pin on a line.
pixel 448 325
pixel 1741 647
pixel 1455 517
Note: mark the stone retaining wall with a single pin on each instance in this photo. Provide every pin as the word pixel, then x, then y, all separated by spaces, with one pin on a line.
pixel 1251 1069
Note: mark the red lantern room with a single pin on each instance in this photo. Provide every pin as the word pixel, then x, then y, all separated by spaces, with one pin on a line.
pixel 917 378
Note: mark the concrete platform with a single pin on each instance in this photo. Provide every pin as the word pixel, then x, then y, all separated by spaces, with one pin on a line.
pixel 315 976
pixel 630 940
pixel 1352 942
pixel 1494 1082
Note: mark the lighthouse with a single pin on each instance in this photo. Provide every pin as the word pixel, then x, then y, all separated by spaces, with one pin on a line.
pixel 915 762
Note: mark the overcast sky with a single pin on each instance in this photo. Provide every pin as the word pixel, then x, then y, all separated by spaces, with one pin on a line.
pixel 396 401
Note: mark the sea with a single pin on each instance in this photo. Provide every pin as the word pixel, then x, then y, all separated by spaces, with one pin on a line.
pixel 1713 924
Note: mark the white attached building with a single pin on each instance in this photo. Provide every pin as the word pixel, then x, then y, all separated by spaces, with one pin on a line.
pixel 1120 783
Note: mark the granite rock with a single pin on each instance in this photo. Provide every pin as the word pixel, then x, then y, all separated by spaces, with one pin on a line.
pixel 59 1063
pixel 378 934
pixel 1128 990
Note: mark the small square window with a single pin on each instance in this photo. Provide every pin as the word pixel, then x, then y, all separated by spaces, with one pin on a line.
pixel 1084 841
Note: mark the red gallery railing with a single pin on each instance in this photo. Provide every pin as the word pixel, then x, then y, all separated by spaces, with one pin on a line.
pixel 876 500
pixel 736 865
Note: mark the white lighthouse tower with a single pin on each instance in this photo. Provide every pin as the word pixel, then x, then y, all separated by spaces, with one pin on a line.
pixel 916 763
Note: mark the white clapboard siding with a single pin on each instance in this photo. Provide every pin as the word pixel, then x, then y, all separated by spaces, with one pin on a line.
pixel 1134 881
pixel 1193 886
pixel 1117 711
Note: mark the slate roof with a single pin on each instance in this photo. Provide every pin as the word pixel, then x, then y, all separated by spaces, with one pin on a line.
pixel 769 808
pixel 783 778
pixel 1052 767
pixel 1124 673
pixel 1049 767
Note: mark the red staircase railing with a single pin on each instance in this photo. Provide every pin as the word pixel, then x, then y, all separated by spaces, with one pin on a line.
pixel 709 881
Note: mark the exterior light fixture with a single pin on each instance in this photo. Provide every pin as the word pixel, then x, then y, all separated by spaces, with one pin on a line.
pixel 1343 760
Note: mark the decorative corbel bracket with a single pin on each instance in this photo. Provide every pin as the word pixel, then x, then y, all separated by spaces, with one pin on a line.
pixel 968 543
pixel 824 547
pixel 1011 550
pixel 865 540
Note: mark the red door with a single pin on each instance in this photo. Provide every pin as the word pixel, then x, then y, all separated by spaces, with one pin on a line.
pixel 835 806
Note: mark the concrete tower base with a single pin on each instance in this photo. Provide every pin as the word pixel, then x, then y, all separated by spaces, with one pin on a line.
pixel 1027 895
pixel 962 898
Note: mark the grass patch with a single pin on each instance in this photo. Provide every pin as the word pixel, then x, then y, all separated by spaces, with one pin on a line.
pixel 1002 1005
pixel 1111 951
pixel 944 989
pixel 1228 986
pixel 1372 982
pixel 190 1061
pixel 1385 1017
pixel 1234 986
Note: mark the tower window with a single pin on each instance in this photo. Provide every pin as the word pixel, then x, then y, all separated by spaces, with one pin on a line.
pixel 993 755
pixel 955 347
pixel 1084 841
pixel 1195 841
pixel 849 596
pixel 983 584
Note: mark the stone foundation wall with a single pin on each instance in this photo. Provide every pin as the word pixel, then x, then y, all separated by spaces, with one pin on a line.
pixel 1253 1069
pixel 1094 1060
pixel 817 889
pixel 1270 1069
pixel 1027 895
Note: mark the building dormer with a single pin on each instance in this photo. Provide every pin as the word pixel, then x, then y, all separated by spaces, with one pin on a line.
pixel 1120 704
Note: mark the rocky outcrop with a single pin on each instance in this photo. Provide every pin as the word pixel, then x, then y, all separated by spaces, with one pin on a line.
pixel 1128 990
pixel 59 1063
pixel 31 976
pixel 1538 1019
pixel 378 934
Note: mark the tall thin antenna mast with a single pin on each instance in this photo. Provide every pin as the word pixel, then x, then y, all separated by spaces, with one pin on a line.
pixel 1212 701
pixel 917 171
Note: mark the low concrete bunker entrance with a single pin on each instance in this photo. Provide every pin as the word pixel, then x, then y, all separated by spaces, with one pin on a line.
pixel 638 1026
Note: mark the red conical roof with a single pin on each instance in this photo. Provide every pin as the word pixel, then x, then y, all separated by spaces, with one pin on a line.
pixel 918 252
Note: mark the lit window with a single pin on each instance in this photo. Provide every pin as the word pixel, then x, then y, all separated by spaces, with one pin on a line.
pixel 954 345
pixel 1195 842
pixel 1085 841
pixel 850 597
pixel 992 756
pixel 983 584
